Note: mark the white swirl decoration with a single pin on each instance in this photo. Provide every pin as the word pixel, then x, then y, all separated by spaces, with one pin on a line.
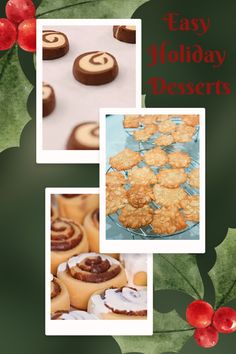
pixel 53 39
pixel 97 61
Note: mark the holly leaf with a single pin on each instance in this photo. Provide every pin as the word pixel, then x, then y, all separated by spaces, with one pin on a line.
pixel 223 273
pixel 15 89
pixel 178 272
pixel 170 332
pixel 88 9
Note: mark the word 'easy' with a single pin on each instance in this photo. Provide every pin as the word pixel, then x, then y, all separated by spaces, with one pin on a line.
pixel 199 26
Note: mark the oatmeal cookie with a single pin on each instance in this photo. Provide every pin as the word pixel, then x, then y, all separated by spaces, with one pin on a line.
pixel 171 178
pixel 116 198
pixel 168 196
pixel 145 133
pixel 191 120
pixel 125 159
pixel 131 121
pixel 115 178
pixel 141 176
pixel 183 134
pixel 139 195
pixel 164 140
pixel 190 207
pixel 193 178
pixel 148 119
pixel 179 159
pixel 167 127
pixel 168 220
pixel 156 157
pixel 136 217
pixel 162 117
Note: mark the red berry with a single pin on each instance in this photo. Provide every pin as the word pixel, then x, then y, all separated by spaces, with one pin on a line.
pixel 8 34
pixel 20 10
pixel 224 320
pixel 199 314
pixel 206 337
pixel 27 35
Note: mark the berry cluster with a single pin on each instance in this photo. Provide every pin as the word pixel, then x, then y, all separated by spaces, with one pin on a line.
pixel 19 26
pixel 210 323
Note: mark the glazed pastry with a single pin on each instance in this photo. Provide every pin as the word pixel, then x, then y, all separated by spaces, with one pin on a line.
pixel 67 239
pixel 76 206
pixel 84 136
pixel 49 100
pixel 125 303
pixel 95 68
pixel 73 315
pixel 55 44
pixel 60 300
pixel 91 225
pixel 90 272
pixel 136 268
pixel 125 33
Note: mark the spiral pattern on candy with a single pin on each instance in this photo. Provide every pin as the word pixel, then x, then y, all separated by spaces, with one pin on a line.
pixel 65 235
pixel 55 44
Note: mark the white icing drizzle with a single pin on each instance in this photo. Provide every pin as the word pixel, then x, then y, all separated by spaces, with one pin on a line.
pixel 61 268
pixel 84 136
pixel 78 315
pixel 133 263
pixel 85 63
pixel 97 306
pixel 77 259
pixel 50 36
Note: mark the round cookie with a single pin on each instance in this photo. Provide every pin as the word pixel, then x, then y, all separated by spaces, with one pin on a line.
pixel 125 33
pixel 55 44
pixel 84 136
pixel 95 68
pixel 49 99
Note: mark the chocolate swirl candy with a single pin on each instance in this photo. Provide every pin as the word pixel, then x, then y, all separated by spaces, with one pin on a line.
pixel 55 287
pixel 93 267
pixel 95 68
pixel 55 44
pixel 65 235
pixel 125 33
pixel 84 136
pixel 49 100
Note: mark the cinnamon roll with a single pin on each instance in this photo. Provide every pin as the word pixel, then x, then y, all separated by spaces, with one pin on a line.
pixel 76 206
pixel 90 272
pixel 124 303
pixel 95 68
pixel 60 300
pixel 91 225
pixel 54 213
pixel 67 239
pixel 136 268
pixel 55 44
pixel 73 315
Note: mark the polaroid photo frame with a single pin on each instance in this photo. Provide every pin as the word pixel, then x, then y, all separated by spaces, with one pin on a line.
pixel 90 327
pixel 76 156
pixel 140 244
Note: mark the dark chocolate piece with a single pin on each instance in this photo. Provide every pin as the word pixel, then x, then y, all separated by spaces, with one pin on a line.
pixel 84 136
pixel 95 68
pixel 125 33
pixel 55 44
pixel 49 99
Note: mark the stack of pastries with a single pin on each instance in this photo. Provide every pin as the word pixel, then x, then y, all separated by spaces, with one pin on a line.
pixel 86 284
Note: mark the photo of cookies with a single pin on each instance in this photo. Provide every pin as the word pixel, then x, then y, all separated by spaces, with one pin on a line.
pixel 152 179
pixel 83 65
pixel 82 283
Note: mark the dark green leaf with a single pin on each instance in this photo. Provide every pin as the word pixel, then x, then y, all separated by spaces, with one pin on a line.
pixel 223 274
pixel 15 89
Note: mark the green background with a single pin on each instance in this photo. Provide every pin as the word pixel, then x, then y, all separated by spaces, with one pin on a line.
pixel 22 184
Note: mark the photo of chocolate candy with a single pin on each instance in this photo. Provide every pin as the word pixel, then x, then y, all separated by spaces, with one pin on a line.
pixel 55 44
pixel 84 136
pixel 95 68
pixel 49 99
pixel 125 33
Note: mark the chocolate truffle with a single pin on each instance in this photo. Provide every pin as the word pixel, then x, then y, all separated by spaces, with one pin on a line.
pixel 84 136
pixel 49 100
pixel 55 44
pixel 125 33
pixel 95 68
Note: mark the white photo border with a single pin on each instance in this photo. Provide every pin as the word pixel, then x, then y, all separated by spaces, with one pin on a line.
pixel 76 156
pixel 90 327
pixel 157 245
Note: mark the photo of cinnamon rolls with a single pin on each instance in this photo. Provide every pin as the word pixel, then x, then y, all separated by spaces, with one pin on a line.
pixel 86 284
